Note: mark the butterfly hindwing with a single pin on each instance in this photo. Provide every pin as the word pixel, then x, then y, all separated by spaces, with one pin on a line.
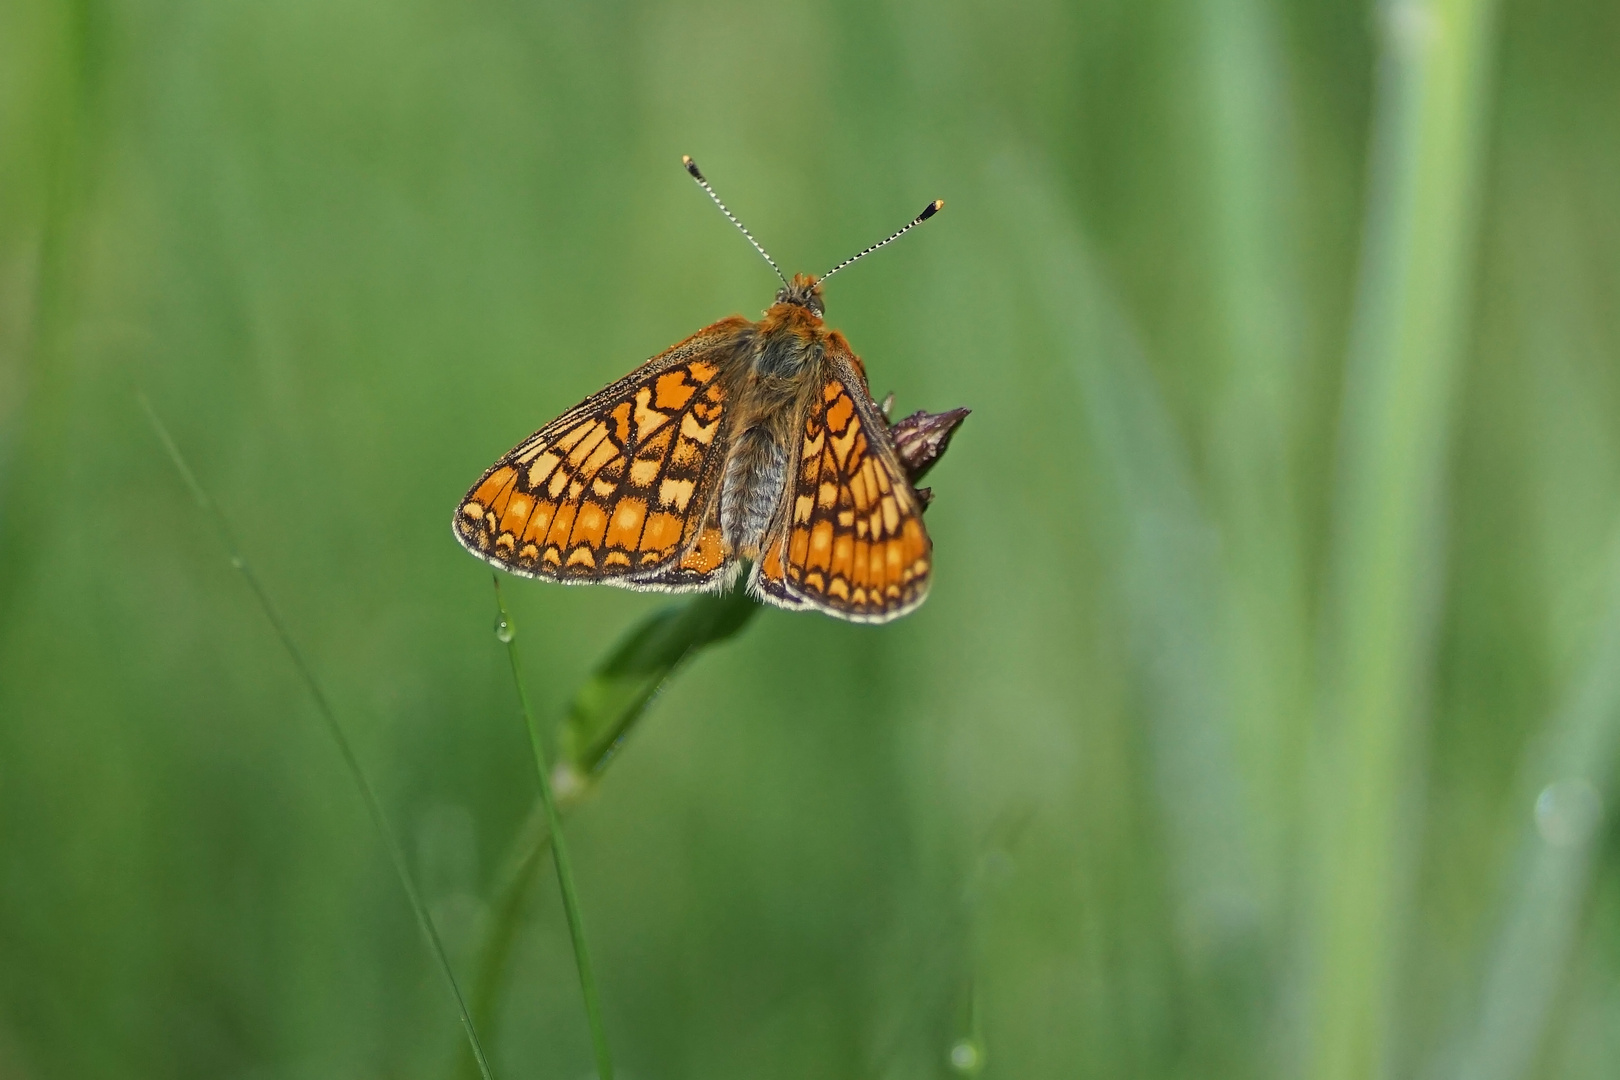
pixel 849 538
pixel 619 489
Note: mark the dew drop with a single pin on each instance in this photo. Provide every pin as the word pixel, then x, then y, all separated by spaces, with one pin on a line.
pixel 568 783
pixel 1568 811
pixel 236 562
pixel 966 1057
pixel 503 629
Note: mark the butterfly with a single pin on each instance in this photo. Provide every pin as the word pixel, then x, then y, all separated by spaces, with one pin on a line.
pixel 749 443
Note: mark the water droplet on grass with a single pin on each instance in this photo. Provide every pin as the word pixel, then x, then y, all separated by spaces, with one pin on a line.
pixel 967 1057
pixel 504 631
pixel 1568 811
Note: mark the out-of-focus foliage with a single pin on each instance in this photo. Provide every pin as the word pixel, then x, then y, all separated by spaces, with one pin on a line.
pixel 1262 721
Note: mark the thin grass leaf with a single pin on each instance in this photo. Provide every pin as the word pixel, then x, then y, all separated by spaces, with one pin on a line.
pixel 616 695
pixel 559 852
pixel 1567 779
pixel 1171 592
pixel 1171 581
pixel 1252 439
pixel 601 715
pixel 1385 551
pixel 340 738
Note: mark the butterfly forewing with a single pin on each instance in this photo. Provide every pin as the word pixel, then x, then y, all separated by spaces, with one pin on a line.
pixel 622 488
pixel 849 539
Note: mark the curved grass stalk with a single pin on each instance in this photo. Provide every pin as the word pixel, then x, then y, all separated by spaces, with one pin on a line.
pixel 559 855
pixel 602 714
pixel 351 761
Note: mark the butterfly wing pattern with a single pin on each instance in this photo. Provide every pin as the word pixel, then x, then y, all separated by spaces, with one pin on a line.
pixel 849 538
pixel 623 489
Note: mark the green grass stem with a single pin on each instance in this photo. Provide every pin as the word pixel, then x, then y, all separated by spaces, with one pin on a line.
pixel 1546 882
pixel 559 852
pixel 604 711
pixel 1385 549
pixel 351 761
pixel 510 896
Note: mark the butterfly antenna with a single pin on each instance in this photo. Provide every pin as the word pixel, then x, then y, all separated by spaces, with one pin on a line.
pixel 691 167
pixel 928 211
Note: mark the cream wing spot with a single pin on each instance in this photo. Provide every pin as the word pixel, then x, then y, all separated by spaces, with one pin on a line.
pixel 643 472
pixel 812 447
pixel 858 490
pixel 842 445
pixel 675 493
pixel 700 433
pixel 542 468
pixel 648 420
pixel 587 444
pixel 573 435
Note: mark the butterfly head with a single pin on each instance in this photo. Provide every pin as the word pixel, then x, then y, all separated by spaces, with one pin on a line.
pixel 803 290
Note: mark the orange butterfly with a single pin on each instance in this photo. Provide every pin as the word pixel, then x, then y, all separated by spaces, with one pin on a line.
pixel 754 441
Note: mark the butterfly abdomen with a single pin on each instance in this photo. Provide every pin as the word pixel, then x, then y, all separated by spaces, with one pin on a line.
pixel 756 472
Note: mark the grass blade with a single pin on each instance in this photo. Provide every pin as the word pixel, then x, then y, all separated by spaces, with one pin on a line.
pixel 603 713
pixel 368 795
pixel 619 691
pixel 1171 590
pixel 1385 548
pixel 559 854
pixel 1247 106
pixel 1546 880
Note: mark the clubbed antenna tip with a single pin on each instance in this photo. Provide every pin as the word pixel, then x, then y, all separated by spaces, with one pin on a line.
pixel 691 167
pixel 927 212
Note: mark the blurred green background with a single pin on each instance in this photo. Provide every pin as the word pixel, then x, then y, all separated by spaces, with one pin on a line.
pixel 1263 715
